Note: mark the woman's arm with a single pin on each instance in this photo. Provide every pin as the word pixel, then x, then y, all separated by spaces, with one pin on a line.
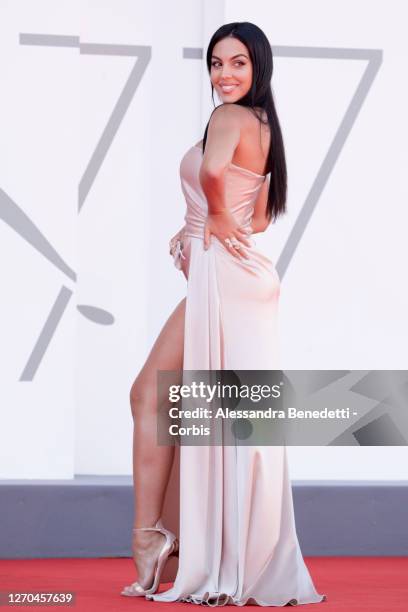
pixel 223 136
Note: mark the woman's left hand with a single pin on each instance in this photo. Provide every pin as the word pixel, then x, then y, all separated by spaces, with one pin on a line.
pixel 223 225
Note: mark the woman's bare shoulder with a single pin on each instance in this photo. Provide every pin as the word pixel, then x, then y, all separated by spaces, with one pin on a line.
pixel 229 111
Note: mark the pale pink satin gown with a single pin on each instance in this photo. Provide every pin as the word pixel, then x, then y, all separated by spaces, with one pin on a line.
pixel 238 541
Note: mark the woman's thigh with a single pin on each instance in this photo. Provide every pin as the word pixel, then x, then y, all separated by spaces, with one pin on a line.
pixel 166 354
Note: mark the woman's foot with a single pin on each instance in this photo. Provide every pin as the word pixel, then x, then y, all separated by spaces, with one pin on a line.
pixel 151 547
pixel 146 548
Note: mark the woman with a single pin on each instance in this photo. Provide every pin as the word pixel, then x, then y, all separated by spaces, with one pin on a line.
pixel 238 540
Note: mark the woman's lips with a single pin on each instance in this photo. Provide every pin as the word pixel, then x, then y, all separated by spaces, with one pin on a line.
pixel 227 88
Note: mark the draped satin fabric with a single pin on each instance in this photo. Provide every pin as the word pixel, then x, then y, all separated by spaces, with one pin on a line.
pixel 238 541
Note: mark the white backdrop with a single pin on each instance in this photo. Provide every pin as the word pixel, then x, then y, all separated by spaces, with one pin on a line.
pixel 85 294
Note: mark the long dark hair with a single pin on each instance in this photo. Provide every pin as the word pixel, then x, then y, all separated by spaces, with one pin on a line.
pixel 260 95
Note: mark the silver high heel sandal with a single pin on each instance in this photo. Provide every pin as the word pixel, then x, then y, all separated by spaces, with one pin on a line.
pixel 170 547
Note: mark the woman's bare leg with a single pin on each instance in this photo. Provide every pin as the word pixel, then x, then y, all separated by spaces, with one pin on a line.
pixel 152 463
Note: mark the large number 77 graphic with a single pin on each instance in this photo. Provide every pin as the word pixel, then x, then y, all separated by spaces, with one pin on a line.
pixel 22 224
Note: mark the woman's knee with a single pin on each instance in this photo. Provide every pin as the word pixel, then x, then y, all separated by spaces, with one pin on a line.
pixel 142 397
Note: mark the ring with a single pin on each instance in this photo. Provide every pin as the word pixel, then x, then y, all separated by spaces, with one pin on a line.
pixel 232 245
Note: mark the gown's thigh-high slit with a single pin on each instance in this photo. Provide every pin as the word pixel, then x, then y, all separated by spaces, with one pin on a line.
pixel 151 463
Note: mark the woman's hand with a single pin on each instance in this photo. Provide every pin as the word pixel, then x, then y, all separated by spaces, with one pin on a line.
pixel 223 225
pixel 176 238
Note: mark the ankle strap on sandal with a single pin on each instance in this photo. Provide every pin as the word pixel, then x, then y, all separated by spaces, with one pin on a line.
pixel 158 527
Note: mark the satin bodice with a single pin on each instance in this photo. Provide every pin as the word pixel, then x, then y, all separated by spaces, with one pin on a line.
pixel 241 190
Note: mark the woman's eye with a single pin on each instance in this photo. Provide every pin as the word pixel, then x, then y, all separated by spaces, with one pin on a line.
pixel 238 62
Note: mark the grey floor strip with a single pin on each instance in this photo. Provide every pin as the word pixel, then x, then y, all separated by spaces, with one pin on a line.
pixel 91 516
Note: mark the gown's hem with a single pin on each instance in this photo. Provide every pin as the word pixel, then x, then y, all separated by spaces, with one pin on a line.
pixel 215 599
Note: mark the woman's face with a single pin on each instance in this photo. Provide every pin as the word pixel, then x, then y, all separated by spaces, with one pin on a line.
pixel 231 69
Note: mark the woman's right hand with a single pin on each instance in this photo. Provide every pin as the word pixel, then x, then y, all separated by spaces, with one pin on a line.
pixel 223 225
pixel 176 238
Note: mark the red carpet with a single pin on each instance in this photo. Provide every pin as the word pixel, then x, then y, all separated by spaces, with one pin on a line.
pixel 350 583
